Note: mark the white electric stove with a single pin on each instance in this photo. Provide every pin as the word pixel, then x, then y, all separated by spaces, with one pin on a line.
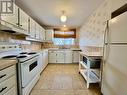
pixel 27 66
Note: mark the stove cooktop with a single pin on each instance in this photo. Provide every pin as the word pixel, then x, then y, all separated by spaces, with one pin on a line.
pixel 32 53
pixel 10 56
pixel 22 56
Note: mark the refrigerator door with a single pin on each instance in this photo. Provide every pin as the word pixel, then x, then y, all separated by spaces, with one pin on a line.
pixel 117 32
pixel 114 79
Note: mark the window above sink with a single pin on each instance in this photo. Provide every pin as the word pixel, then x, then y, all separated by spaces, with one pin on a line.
pixel 64 41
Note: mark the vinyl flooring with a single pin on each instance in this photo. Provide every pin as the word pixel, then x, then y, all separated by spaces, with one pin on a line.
pixel 63 79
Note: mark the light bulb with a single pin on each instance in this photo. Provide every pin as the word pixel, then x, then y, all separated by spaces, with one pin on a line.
pixel 63 18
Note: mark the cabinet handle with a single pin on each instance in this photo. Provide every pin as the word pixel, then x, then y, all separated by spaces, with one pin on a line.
pixel 3 89
pixel 2 76
pixel 20 25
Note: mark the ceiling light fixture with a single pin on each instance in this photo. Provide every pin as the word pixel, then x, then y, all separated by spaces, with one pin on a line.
pixel 64 26
pixel 63 17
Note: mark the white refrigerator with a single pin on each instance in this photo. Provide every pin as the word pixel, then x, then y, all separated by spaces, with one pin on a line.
pixel 114 76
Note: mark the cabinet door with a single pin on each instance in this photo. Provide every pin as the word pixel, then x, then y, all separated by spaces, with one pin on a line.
pixel 37 31
pixel 75 56
pixel 23 20
pixel 32 28
pixel 68 56
pixel 52 57
pixel 49 34
pixel 12 91
pixel 13 19
pixel 60 56
pixel 42 34
pixel 45 58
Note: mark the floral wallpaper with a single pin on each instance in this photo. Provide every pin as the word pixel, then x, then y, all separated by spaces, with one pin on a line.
pixel 91 33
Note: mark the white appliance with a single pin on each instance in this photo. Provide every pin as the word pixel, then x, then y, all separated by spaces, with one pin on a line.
pixel 27 67
pixel 114 80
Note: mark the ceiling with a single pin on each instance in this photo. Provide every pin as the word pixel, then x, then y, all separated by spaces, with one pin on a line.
pixel 48 12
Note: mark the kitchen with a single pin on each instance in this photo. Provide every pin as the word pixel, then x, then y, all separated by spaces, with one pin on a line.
pixel 63 47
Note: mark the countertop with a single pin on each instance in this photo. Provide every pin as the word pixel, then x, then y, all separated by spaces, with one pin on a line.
pixel 91 54
pixel 6 63
pixel 57 49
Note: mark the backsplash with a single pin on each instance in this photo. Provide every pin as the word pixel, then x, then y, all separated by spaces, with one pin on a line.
pixel 51 45
pixel 26 45
pixel 92 32
pixel 92 49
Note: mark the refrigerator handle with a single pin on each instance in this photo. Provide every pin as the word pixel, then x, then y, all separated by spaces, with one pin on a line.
pixel 106 48
pixel 106 44
pixel 106 33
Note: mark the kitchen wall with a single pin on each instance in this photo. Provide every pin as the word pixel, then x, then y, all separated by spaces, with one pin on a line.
pixel 26 45
pixel 91 33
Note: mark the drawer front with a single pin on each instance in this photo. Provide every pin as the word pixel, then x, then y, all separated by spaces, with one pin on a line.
pixel 6 73
pixel 7 84
pixel 12 91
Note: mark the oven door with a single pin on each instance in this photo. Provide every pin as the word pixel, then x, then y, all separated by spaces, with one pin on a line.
pixel 28 70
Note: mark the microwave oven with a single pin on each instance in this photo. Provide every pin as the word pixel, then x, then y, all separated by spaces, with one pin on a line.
pixel 92 62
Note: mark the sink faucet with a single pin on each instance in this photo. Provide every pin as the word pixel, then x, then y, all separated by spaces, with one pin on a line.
pixel 63 47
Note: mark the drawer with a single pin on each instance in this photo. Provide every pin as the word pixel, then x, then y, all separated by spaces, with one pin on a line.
pixel 6 73
pixel 7 84
pixel 12 91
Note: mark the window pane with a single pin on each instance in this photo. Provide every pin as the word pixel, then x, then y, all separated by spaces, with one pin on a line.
pixel 62 41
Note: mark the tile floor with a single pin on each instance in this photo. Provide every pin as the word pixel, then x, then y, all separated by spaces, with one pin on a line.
pixel 63 79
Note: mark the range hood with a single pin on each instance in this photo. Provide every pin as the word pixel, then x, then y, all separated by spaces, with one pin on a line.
pixel 7 27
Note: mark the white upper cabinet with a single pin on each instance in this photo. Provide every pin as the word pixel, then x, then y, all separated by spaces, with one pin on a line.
pixel 23 20
pixel 32 28
pixel 21 23
pixel 18 21
pixel 11 18
pixel 37 34
pixel 49 34
pixel 42 34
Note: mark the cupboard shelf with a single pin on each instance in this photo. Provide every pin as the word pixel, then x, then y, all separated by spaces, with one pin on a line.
pixel 91 78
pixel 85 66
pixel 90 74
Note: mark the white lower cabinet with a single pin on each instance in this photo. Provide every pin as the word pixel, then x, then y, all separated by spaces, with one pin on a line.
pixel 75 56
pixel 52 57
pixel 8 86
pixel 60 56
pixel 68 56
pixel 43 60
pixel 12 91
